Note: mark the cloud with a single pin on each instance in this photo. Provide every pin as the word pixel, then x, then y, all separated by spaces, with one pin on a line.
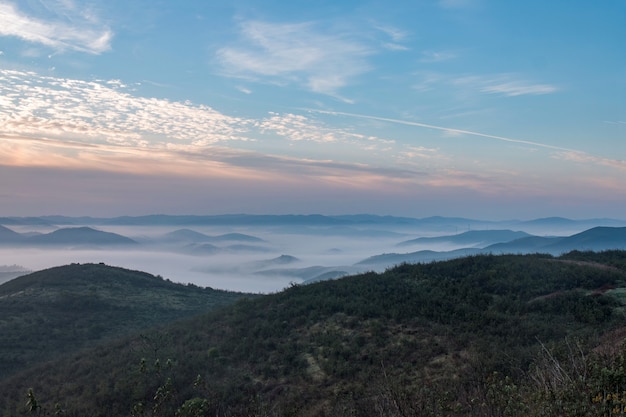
pixel 560 152
pixel 299 128
pixel 582 157
pixel 503 84
pixel 429 57
pixel 300 53
pixel 518 88
pixel 67 123
pixel 396 35
pixel 244 90
pixel 507 85
pixel 74 30
pixel 90 111
pixel 104 112
pixel 421 152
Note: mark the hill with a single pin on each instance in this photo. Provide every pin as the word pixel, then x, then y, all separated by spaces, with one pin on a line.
pixel 187 235
pixel 595 239
pixel 80 236
pixel 477 336
pixel 9 236
pixel 473 238
pixel 65 309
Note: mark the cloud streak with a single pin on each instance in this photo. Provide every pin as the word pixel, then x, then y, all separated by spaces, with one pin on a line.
pixel 563 153
pixel 298 53
pixel 77 32
pixel 507 85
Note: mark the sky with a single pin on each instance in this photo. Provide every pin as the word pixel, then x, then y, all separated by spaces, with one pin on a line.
pixel 491 109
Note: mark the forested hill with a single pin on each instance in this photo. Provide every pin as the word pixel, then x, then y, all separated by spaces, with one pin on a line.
pixel 63 309
pixel 507 335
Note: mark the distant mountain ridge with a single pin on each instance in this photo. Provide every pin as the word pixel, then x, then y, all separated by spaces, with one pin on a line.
pixel 473 237
pixel 8 235
pixel 65 236
pixel 451 224
pixel 596 239
pixel 197 237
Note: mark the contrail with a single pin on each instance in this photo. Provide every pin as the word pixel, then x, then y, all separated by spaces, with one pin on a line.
pixel 445 129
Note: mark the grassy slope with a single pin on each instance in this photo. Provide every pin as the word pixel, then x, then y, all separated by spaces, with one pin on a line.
pixel 415 340
pixel 63 309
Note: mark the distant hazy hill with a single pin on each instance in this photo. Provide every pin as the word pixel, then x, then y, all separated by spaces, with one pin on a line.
pixel 278 261
pixel 8 272
pixel 365 224
pixel 84 236
pixel 531 244
pixel 185 235
pixel 473 337
pixel 63 309
pixel 307 274
pixel 477 238
pixel 596 239
pixel 9 236
pixel 201 249
pixel 80 236
pixel 387 260
pixel 188 235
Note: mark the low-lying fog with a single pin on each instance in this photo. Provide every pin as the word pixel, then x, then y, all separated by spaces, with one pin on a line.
pixel 238 265
pixel 260 259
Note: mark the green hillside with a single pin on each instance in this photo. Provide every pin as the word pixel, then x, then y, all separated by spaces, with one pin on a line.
pixel 64 309
pixel 485 335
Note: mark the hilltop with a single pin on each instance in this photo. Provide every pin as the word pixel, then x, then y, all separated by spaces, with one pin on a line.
pixel 64 309
pixel 475 336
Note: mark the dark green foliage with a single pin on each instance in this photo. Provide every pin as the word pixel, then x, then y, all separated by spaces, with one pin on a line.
pixel 478 336
pixel 63 309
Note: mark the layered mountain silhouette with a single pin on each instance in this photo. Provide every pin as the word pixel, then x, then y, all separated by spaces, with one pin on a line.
pixel 65 236
pixel 595 239
pixel 9 236
pixel 188 235
pixel 478 238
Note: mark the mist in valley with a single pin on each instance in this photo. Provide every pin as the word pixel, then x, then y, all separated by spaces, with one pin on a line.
pixel 280 257
pixel 261 258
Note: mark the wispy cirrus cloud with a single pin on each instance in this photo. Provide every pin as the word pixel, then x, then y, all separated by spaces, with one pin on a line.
pixel 518 88
pixel 302 53
pixel 559 152
pixel 295 127
pixel 582 157
pixel 504 84
pixel 67 28
pixel 437 56
pixel 396 35
pixel 507 85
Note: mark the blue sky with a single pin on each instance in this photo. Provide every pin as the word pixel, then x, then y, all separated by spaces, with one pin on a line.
pixel 477 108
